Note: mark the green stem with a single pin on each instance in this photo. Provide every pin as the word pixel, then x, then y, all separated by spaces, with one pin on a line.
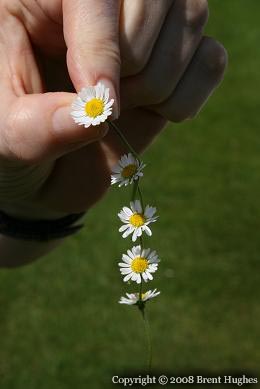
pixel 140 290
pixel 148 339
pixel 123 139
pixel 141 197
pixel 135 188
pixel 141 241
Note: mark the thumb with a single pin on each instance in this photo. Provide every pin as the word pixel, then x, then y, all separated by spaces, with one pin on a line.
pixel 39 127
pixel 91 31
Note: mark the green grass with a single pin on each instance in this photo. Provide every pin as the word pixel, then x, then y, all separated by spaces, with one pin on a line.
pixel 61 326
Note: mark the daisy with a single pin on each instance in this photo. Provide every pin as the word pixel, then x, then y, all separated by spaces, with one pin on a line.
pixel 138 264
pixel 92 106
pixel 136 220
pixel 133 298
pixel 127 170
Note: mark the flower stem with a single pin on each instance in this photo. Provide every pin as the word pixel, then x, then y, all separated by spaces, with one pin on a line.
pixel 148 339
pixel 140 290
pixel 123 139
pixel 135 188
pixel 141 197
pixel 141 241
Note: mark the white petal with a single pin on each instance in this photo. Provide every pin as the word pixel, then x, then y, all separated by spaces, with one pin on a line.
pixel 109 104
pixel 116 169
pixel 147 230
pixel 127 277
pixel 127 233
pixel 138 206
pixel 135 236
pixel 130 254
pixel 126 258
pixel 135 276
pixel 139 231
pixel 149 211
pixel 139 279
pixel 123 227
pixel 127 211
pixel 130 295
pixel 106 95
pixel 123 264
pixel 87 93
pixel 136 251
pixel 78 113
pixel 125 271
pixel 149 275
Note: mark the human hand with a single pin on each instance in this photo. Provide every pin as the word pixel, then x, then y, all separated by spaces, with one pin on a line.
pixel 50 166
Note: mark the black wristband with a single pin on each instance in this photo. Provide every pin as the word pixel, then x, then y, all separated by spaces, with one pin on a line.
pixel 39 230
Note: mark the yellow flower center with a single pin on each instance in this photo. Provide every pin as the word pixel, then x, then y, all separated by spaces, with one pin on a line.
pixel 94 108
pixel 137 220
pixel 129 170
pixel 139 264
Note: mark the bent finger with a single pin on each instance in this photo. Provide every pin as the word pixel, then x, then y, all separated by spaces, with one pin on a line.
pixel 174 49
pixel 141 23
pixel 201 78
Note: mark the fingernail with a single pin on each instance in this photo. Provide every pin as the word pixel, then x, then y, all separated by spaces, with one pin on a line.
pixel 112 95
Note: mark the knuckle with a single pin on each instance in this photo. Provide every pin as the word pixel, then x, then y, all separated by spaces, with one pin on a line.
pixel 155 94
pixel 196 14
pixel 11 139
pixel 17 146
pixel 102 49
pixel 178 112
pixel 214 57
pixel 155 97
pixel 134 64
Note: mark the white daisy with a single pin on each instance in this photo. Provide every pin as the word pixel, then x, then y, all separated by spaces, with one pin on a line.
pixel 139 264
pixel 92 106
pixel 136 220
pixel 133 298
pixel 127 170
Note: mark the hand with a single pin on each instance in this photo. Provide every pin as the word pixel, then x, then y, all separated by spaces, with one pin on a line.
pixel 50 166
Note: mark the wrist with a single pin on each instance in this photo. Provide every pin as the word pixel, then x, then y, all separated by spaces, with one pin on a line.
pixel 40 230
pixel 30 211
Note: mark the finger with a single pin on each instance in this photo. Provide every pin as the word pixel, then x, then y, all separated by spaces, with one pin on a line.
pixel 201 78
pixel 91 34
pixel 173 51
pixel 39 127
pixel 141 22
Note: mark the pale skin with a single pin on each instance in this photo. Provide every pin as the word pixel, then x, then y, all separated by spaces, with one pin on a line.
pixel 151 54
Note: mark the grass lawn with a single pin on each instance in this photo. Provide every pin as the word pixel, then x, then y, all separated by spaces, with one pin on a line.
pixel 61 326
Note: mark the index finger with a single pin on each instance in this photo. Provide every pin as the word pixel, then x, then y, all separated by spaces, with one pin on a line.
pixel 91 31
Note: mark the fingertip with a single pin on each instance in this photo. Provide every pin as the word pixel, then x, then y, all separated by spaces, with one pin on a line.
pixel 65 128
pixel 62 120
